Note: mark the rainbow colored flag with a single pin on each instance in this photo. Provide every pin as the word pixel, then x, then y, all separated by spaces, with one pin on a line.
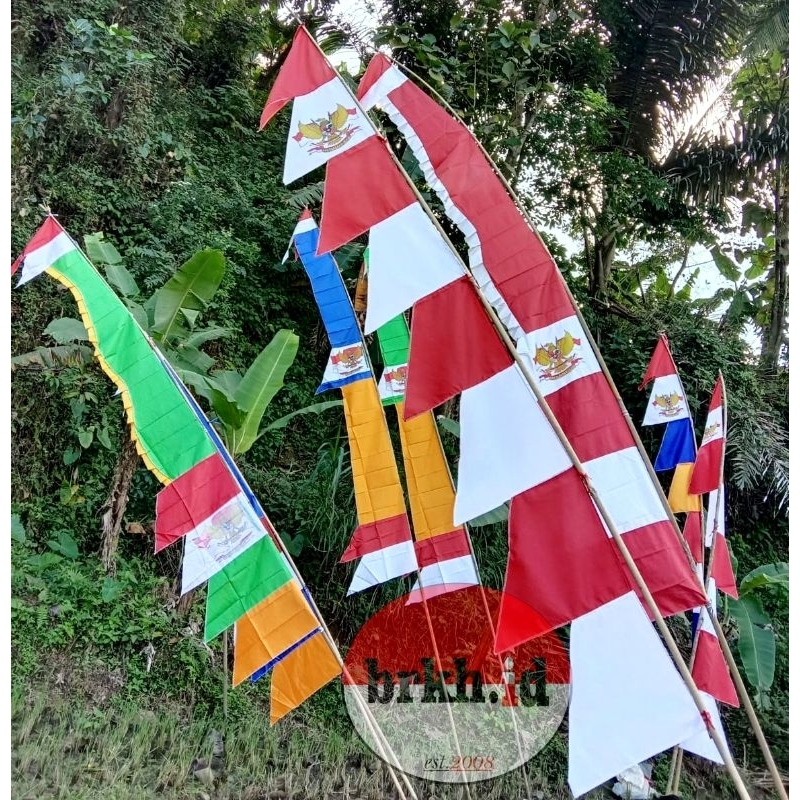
pixel 205 496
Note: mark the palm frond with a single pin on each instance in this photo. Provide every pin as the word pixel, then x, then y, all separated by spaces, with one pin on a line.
pixel 306 196
pixel 667 52
pixel 769 30
pixel 757 454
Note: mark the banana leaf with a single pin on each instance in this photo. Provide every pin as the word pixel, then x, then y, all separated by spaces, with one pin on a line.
pixel 66 330
pixel 756 640
pixel 260 384
pixel 187 293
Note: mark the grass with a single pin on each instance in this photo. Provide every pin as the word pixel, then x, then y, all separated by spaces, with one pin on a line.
pixel 67 745
pixel 64 747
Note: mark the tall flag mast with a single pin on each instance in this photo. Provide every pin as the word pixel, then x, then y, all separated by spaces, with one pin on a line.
pixel 205 500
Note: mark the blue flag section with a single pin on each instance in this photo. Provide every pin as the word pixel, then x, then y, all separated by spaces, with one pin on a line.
pixel 677 446
pixel 347 362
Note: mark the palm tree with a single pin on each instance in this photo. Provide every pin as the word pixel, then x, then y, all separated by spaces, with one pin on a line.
pixel 749 159
pixel 666 54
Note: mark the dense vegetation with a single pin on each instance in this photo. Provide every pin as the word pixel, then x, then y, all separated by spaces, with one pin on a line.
pixel 140 121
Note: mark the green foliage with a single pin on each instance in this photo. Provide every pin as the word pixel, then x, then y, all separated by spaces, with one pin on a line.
pixel 179 302
pixel 756 634
pixel 262 381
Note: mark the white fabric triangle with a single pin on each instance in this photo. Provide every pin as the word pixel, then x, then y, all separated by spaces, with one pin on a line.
pixel 408 260
pixel 507 445
pixel 325 123
pixel 628 699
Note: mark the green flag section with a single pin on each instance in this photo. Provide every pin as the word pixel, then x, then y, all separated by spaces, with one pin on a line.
pixel 243 584
pixel 167 433
pixel 393 338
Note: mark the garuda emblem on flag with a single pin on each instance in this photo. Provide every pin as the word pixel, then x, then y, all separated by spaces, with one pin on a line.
pixel 558 358
pixel 329 133
pixel 710 432
pixel 349 359
pixel 668 404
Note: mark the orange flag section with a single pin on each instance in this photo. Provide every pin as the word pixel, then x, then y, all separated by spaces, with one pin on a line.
pixel 430 487
pixel 300 674
pixel 679 498
pixel 378 492
pixel 269 629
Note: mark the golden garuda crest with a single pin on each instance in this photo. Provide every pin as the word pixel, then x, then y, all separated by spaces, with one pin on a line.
pixel 710 432
pixel 349 359
pixel 397 376
pixel 225 531
pixel 668 404
pixel 556 359
pixel 328 133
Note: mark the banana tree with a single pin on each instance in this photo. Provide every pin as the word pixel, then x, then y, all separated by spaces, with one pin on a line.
pixel 756 634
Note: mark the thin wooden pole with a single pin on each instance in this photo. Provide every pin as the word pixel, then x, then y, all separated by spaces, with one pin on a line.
pixel 730 660
pixel 436 654
pixel 225 676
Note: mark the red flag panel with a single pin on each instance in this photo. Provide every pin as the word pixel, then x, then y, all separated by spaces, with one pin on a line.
pixel 453 347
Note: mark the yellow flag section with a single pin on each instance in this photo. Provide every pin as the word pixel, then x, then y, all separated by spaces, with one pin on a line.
pixel 443 551
pixel 306 669
pixel 263 640
pixel 679 498
pixel 382 539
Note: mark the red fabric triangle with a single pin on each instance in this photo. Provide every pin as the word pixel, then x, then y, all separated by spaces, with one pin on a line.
pixel 362 188
pixel 710 671
pixel 661 363
pixel 304 70
pixel 378 64
pixel 716 396
pixel 693 533
pixel 722 569
pixel 561 563
pixel 706 474
pixel 453 346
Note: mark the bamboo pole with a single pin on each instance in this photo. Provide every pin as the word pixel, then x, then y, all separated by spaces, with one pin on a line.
pixel 729 658
pixel 429 621
pixel 624 552
pixel 225 676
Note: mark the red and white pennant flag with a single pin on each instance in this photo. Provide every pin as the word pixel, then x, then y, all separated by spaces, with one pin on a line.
pixel 667 401
pixel 518 276
pixel 520 280
pixel 707 472
pixel 325 119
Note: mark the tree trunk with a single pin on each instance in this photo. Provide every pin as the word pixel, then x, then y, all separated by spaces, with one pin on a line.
pixel 775 334
pixel 604 250
pixel 116 504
